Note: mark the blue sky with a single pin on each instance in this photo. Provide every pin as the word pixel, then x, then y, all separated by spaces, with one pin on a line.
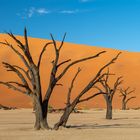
pixel 106 23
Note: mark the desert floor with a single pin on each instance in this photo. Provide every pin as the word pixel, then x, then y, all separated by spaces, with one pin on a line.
pixel 89 125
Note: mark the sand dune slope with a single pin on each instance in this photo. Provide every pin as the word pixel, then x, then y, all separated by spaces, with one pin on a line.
pixel 128 66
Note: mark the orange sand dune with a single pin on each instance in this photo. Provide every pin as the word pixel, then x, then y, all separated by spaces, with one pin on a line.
pixel 128 66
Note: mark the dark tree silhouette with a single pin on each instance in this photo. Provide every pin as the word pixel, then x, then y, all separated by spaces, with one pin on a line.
pixel 125 96
pixel 71 104
pixel 110 91
pixel 29 76
pixel 54 78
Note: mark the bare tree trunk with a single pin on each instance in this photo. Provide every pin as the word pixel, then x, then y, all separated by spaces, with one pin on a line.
pixel 40 122
pixel 64 118
pixel 45 107
pixel 123 105
pixel 45 104
pixel 109 109
pixel 70 107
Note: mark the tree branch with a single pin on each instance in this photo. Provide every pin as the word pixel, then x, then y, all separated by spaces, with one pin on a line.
pixel 41 54
pixel 18 84
pixel 130 91
pixel 54 42
pixel 96 87
pixel 52 81
pixel 28 92
pixel 75 62
pixel 122 92
pixel 90 97
pixel 26 39
pixel 71 86
pixel 126 89
pixel 63 63
pixel 25 72
pixel 26 48
pixel 105 85
pixel 89 86
pixel 98 76
pixel 17 41
pixel 19 74
pixel 25 51
pixel 17 52
pixel 59 84
pixel 117 83
pixel 62 42
pixel 130 99
pixel 109 63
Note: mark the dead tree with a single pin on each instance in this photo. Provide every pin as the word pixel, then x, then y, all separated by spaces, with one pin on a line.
pixel 71 104
pixel 110 91
pixel 29 75
pixel 125 99
pixel 54 78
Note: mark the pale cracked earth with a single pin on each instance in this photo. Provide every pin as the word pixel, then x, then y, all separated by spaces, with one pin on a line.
pixel 89 125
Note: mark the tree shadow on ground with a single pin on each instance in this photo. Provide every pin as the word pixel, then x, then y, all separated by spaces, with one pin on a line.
pixel 14 123
pixel 98 126
pixel 125 118
pixel 121 118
